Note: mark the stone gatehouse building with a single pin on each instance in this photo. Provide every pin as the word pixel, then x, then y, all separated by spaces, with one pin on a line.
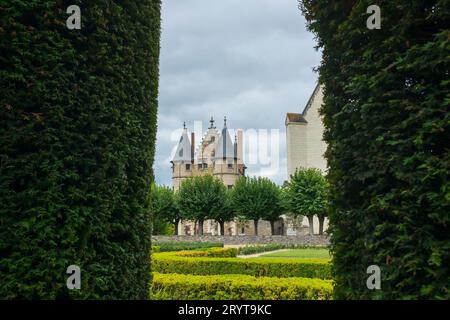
pixel 221 156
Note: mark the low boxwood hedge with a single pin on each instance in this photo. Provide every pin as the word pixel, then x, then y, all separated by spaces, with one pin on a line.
pixel 213 252
pixel 171 262
pixel 179 246
pixel 237 287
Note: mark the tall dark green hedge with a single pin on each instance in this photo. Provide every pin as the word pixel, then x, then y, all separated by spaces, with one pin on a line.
pixel 386 113
pixel 77 133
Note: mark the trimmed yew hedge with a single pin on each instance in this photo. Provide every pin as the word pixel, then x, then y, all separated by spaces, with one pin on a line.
pixel 271 267
pixel 237 287
pixel 387 125
pixel 77 136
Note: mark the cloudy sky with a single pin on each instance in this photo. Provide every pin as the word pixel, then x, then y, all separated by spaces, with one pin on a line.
pixel 249 60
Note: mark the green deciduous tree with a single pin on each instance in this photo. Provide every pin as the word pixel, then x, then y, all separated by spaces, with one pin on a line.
pixel 255 199
pixel 387 126
pixel 164 209
pixel 226 214
pixel 201 198
pixel 307 195
pixel 77 132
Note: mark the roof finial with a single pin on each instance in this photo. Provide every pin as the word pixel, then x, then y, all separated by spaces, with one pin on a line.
pixel 184 125
pixel 225 121
pixel 212 123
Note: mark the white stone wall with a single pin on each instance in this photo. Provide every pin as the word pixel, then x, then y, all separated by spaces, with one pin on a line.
pixel 296 135
pixel 305 145
pixel 180 173
pixel 305 223
pixel 315 146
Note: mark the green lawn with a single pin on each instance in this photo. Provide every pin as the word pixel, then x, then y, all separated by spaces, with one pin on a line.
pixel 300 253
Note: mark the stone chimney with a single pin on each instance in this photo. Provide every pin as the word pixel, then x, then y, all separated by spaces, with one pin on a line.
pixel 192 146
pixel 240 146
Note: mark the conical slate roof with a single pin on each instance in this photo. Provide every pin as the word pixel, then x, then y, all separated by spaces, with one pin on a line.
pixel 184 150
pixel 225 146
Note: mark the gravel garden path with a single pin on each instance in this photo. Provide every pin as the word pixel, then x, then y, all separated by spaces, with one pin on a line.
pixel 255 255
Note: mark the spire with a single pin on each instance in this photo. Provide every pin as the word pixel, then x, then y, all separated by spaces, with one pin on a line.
pixel 212 123
pixel 225 121
pixel 183 152
pixel 225 146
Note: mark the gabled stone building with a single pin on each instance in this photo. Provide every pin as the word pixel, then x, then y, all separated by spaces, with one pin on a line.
pixel 304 140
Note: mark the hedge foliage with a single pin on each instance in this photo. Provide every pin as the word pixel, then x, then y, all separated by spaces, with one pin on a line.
pixel 387 125
pixel 171 262
pixel 77 132
pixel 180 246
pixel 237 287
pixel 213 252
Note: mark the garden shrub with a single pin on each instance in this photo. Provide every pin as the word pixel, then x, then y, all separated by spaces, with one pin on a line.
pixel 211 252
pixel 387 126
pixel 237 287
pixel 156 249
pixel 180 246
pixel 170 262
pixel 77 135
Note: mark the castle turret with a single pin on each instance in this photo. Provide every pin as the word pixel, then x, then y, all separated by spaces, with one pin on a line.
pixel 226 158
pixel 182 161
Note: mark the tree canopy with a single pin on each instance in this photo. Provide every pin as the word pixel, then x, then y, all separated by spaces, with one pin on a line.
pixel 201 198
pixel 257 198
pixel 307 194
pixel 164 209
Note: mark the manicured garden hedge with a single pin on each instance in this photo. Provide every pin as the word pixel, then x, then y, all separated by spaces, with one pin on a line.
pixel 179 246
pixel 77 135
pixel 212 252
pixel 237 287
pixel 273 267
pixel 387 126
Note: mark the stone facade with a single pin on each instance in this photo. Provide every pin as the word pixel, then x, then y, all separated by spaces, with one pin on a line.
pixel 304 141
pixel 233 228
pixel 304 136
pixel 218 155
pixel 306 240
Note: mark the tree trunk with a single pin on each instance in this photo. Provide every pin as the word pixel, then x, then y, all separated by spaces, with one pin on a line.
pixel 176 226
pixel 272 227
pixel 222 228
pixel 311 225
pixel 200 227
pixel 255 222
pixel 321 221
